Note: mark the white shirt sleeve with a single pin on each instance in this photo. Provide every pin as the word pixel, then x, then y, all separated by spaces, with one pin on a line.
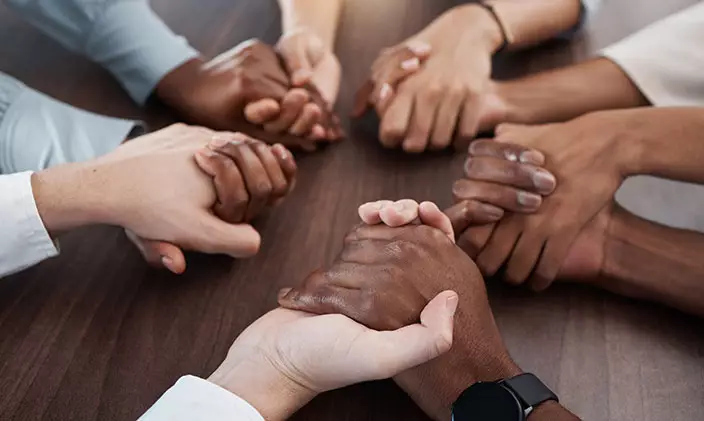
pixel 124 36
pixel 195 399
pixel 665 60
pixel 23 239
pixel 38 132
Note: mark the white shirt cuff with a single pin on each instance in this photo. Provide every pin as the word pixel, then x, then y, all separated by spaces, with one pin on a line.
pixel 24 241
pixel 194 399
pixel 136 46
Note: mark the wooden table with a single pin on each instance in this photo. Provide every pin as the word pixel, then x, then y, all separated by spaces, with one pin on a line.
pixel 96 335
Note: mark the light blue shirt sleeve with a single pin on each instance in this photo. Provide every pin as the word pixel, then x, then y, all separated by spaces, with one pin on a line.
pixel 38 132
pixel 124 36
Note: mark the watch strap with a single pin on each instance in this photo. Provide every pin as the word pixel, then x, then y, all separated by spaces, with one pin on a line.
pixel 529 390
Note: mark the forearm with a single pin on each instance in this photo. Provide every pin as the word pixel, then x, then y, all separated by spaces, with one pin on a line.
pixel 653 262
pixel 566 93
pixel 666 141
pixel 320 16
pixel 68 197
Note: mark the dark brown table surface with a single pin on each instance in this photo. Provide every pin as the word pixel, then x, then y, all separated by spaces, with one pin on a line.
pixel 97 335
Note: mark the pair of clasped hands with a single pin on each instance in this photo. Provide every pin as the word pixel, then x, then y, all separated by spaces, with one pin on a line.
pixel 401 300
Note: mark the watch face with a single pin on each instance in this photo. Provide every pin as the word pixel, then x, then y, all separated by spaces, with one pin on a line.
pixel 487 401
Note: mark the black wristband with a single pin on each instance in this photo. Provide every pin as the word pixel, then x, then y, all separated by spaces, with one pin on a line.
pixel 506 38
pixel 529 390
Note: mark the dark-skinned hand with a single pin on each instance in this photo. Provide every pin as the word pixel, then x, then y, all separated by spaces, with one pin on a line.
pixel 249 83
pixel 565 235
pixel 383 278
pixel 248 177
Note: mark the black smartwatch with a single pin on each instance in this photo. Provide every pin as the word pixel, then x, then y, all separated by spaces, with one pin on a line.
pixel 506 400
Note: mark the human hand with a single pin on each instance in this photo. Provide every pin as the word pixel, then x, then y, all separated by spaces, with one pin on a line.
pixel 451 93
pixel 247 82
pixel 275 366
pixel 565 237
pixel 308 60
pixel 248 176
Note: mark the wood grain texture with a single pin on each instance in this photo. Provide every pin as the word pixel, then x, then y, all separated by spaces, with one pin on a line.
pixel 97 335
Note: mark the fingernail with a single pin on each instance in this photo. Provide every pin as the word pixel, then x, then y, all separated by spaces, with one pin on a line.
pixel 511 156
pixel 378 206
pixel 283 293
pixel 492 212
pixel 301 76
pixel 410 64
pixel 400 207
pixel 207 153
pixel 385 91
pixel 451 304
pixel 218 142
pixel 419 48
pixel 544 181
pixel 528 200
pixel 167 261
pixel 533 157
pixel 281 152
pixel 468 165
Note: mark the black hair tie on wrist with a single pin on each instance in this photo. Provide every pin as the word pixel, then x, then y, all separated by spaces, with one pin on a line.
pixel 504 32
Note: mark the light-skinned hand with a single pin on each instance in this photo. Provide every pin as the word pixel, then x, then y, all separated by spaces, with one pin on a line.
pixel 287 357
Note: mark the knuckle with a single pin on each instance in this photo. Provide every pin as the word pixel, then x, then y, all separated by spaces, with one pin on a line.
pixel 513 278
pixel 392 132
pixel 353 236
pixel 279 189
pixel 263 188
pixel 392 272
pixel 461 189
pixel 179 127
pixel 435 91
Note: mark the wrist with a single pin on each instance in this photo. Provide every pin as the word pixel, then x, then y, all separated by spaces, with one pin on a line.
pixel 627 131
pixel 274 395
pixel 481 26
pixel 551 410
pixel 177 88
pixel 436 385
pixel 478 29
pixel 66 198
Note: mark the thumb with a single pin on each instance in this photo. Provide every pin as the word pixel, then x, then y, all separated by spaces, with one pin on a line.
pixel 216 236
pixel 431 215
pixel 417 344
pixel 159 253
